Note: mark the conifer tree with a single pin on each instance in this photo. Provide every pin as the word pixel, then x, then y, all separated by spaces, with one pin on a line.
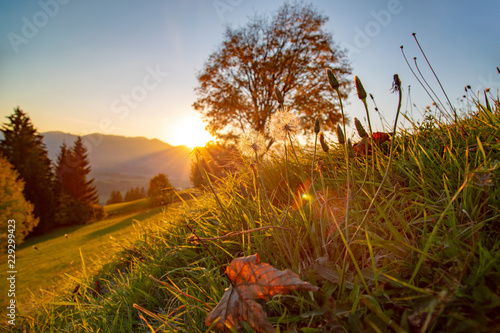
pixel 23 147
pixel 82 189
pixel 115 197
pixel 128 196
pixel 78 198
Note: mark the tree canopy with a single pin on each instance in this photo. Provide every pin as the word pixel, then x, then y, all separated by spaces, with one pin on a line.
pixel 160 190
pixel 23 147
pixel 290 50
pixel 13 205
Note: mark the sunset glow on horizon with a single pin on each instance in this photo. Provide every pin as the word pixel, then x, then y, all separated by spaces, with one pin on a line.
pixel 130 69
pixel 188 131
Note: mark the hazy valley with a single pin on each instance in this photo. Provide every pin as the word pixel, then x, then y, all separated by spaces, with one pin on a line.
pixel 120 163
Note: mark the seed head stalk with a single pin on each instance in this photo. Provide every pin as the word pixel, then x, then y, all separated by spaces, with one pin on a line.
pixel 397 88
pixel 207 179
pixel 295 154
pixel 316 132
pixel 362 95
pixel 269 204
pixel 416 76
pixel 335 86
pixel 430 88
pixel 435 75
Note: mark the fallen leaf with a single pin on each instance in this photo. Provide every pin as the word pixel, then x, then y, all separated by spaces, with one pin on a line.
pixel 380 137
pixel 252 280
pixel 362 147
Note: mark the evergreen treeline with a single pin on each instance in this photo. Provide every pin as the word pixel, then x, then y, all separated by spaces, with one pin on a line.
pixel 62 194
pixel 77 197
pixel 131 195
pixel 115 197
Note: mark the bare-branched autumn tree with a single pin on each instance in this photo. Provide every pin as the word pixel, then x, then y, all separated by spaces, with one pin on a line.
pixel 290 50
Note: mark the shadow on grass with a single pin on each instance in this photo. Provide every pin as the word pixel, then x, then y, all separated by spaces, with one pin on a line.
pixel 123 223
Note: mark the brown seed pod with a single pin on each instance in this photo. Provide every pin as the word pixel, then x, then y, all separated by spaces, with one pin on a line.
pixel 323 143
pixel 279 95
pixel 340 134
pixel 332 79
pixel 360 89
pixel 359 127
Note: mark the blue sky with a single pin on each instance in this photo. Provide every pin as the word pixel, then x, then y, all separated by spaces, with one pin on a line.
pixel 71 63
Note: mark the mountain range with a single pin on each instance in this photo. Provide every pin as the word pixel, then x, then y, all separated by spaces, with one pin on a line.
pixel 120 163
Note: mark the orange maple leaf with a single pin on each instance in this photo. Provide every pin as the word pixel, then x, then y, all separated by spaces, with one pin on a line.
pixel 252 280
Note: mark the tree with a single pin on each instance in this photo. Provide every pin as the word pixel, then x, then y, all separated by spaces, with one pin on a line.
pixel 77 196
pixel 216 159
pixel 23 147
pixel 128 196
pixel 160 190
pixel 13 205
pixel 115 197
pixel 134 194
pixel 289 50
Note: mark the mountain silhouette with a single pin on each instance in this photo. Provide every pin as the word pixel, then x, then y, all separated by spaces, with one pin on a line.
pixel 120 163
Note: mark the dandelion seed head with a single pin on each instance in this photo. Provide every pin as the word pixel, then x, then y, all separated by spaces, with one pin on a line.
pixel 283 124
pixel 396 84
pixel 252 143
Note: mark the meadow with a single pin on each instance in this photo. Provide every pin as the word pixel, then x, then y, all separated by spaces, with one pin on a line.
pixel 43 262
pixel 400 235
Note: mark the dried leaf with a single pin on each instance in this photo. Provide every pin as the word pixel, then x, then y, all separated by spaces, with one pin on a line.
pixel 252 280
pixel 380 137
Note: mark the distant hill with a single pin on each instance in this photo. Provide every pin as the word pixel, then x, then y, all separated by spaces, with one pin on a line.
pixel 120 163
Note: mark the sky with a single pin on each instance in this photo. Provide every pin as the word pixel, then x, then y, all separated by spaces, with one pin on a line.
pixel 129 67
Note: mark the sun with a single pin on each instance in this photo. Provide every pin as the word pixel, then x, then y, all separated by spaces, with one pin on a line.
pixel 189 131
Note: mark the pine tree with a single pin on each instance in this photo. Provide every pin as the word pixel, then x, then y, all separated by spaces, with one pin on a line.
pixel 128 196
pixel 118 197
pixel 137 193
pixel 134 194
pixel 111 198
pixel 115 197
pixel 78 198
pixel 82 189
pixel 23 147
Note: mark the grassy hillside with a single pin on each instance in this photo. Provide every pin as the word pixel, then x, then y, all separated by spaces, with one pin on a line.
pixel 42 261
pixel 127 207
pixel 404 238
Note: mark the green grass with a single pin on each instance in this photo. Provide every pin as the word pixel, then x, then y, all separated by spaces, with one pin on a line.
pixel 412 245
pixel 127 207
pixel 56 254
